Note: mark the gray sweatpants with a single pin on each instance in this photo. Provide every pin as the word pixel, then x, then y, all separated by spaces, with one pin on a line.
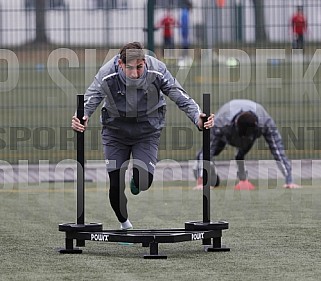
pixel 118 149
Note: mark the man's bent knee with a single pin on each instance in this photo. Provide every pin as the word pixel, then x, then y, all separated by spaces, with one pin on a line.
pixel 142 179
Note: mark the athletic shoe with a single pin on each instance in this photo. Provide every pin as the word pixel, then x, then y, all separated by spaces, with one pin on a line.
pixel 126 226
pixel 134 190
pixel 244 185
pixel 199 183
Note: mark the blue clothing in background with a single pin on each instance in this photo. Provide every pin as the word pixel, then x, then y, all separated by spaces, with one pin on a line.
pixel 184 27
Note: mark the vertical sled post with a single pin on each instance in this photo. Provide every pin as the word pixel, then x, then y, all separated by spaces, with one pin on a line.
pixel 80 168
pixel 206 161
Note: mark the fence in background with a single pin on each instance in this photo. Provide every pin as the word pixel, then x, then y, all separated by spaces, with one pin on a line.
pixel 39 81
pixel 112 23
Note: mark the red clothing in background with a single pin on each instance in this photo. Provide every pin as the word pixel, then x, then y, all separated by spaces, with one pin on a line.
pixel 167 23
pixel 299 24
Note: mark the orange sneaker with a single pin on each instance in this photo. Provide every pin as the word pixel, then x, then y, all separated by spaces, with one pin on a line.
pixel 244 185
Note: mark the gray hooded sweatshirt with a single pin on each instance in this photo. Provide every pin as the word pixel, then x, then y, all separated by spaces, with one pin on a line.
pixel 136 107
pixel 225 132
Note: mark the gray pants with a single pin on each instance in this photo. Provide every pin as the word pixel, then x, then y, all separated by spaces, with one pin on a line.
pixel 118 149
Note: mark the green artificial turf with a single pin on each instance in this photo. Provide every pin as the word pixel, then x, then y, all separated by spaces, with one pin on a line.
pixel 274 234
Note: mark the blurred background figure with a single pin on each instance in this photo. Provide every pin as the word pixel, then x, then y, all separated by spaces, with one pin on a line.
pixel 299 28
pixel 239 123
pixel 185 60
pixel 184 24
pixel 168 22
